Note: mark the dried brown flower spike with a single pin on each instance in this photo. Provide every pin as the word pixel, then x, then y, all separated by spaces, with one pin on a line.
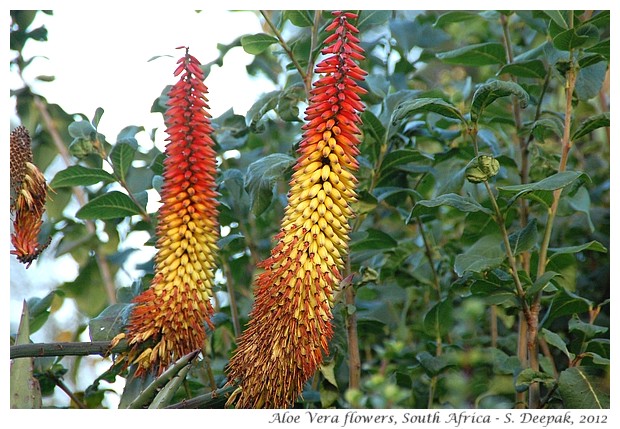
pixel 28 195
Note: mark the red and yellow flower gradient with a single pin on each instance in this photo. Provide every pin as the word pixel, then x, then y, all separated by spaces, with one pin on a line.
pixel 28 195
pixel 290 323
pixel 168 320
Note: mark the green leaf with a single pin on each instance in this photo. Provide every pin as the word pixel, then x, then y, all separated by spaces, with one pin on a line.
pixel 109 323
pixel 261 177
pixel 584 36
pixel 557 17
pixel 77 175
pixel 372 239
pixel 438 321
pixel 475 55
pixel 436 105
pixel 460 203
pixel 327 370
pixel 590 80
pixel 147 395
pixel 530 69
pixel 81 130
pixel 489 92
pixel 590 124
pixel 529 376
pixel 264 104
pixel 433 365
pixel 111 205
pixel 122 156
pixel 400 157
pixel 550 183
pixel 369 18
pixel 25 391
pixel 594 246
pixel 547 127
pixel 97 117
pixel 589 330
pixel 493 293
pixel 256 43
pixel 483 255
pixel 566 303
pixel 556 341
pixel 166 394
pixel 541 282
pixel 38 309
pixel 373 126
pixel 300 18
pixel 601 48
pixel 453 16
pixel 524 239
pixel 580 388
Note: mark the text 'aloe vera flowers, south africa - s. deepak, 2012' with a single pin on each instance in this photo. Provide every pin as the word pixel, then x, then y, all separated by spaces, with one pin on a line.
pixel 290 322
pixel 168 319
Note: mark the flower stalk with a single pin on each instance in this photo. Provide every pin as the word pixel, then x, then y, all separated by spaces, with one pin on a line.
pixel 28 195
pixel 290 323
pixel 168 319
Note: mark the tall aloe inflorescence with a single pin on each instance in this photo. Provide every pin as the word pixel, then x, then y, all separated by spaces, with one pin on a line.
pixel 290 323
pixel 168 319
pixel 28 195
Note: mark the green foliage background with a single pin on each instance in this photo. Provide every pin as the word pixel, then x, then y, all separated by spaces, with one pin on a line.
pixel 437 303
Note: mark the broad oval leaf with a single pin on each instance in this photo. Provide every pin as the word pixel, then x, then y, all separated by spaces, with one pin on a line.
pixel 453 16
pixel 261 178
pixel 78 175
pixel 300 18
pixel 111 205
pixel 584 36
pixel 109 323
pixel 483 255
pixel 460 203
pixel 551 183
pixel 524 239
pixel 475 55
pixel 581 387
pixel 436 105
pixel 370 18
pixel 122 156
pixel 531 69
pixel 256 43
pixel 438 320
pixel 81 130
pixel 491 91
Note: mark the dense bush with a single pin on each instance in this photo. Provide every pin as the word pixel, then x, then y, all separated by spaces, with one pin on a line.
pixel 478 272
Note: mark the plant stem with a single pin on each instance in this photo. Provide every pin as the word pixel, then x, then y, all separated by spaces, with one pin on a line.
pixel 65 349
pixel 314 36
pixel 288 51
pixel 66 389
pixel 532 340
pixel 429 256
pixel 353 350
pixel 234 312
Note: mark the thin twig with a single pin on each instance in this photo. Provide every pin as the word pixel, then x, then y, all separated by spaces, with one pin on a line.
pixel 66 389
pixel 234 312
pixel 314 36
pixel 287 49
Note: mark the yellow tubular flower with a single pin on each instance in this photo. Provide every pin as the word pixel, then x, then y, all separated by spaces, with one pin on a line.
pixel 168 320
pixel 28 195
pixel 290 323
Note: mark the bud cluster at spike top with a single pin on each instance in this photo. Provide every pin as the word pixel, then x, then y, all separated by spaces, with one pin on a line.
pixel 290 322
pixel 28 195
pixel 168 320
